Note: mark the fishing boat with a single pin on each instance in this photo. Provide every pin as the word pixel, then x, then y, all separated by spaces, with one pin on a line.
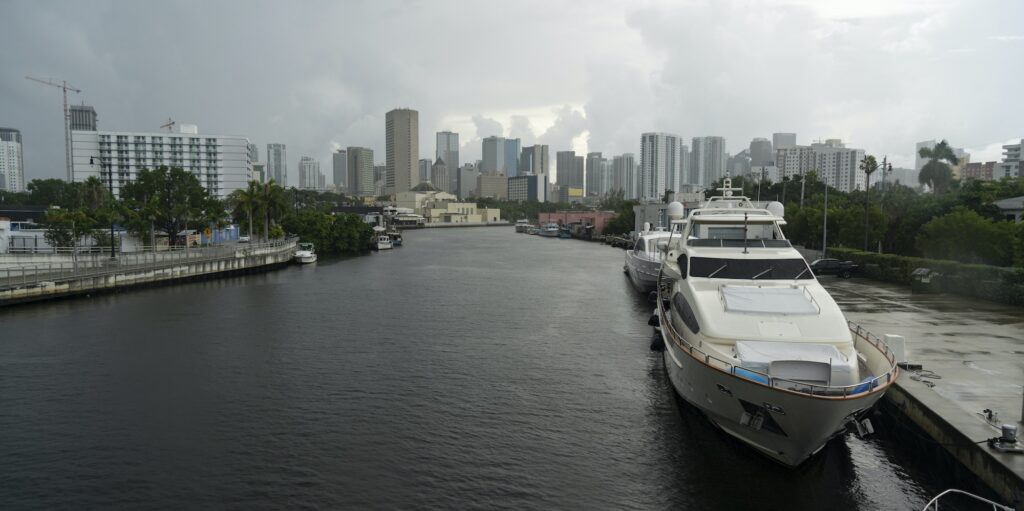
pixel 382 242
pixel 549 230
pixel 305 254
pixel 396 237
pixel 754 341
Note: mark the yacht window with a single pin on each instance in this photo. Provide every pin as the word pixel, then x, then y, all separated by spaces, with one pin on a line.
pixel 682 265
pixel 682 308
pixel 749 269
pixel 639 246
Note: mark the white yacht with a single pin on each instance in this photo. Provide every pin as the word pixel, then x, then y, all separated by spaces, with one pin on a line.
pixel 305 253
pixel 754 341
pixel 643 261
pixel 549 230
pixel 382 242
pixel 522 225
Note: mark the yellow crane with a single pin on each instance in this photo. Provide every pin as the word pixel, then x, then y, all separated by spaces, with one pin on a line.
pixel 64 86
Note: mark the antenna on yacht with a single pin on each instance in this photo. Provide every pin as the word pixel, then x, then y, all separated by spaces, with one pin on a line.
pixel 745 232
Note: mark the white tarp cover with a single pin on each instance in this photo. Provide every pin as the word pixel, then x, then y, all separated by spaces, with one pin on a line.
pixel 783 360
pixel 768 300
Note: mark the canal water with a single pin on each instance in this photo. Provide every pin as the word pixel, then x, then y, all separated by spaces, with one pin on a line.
pixel 469 368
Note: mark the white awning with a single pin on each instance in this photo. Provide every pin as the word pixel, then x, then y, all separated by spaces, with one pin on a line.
pixel 768 300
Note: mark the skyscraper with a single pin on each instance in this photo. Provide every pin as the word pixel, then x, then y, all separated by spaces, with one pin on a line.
pixel 402 141
pixel 511 160
pixel 360 171
pixel 12 164
pixel 533 160
pixel 783 140
pixel 424 173
pixel 761 152
pixel 659 164
pixel 309 173
pixel 447 149
pixel 439 176
pixel 277 164
pixel 493 155
pixel 624 172
pixel 83 118
pixel 708 159
pixel 594 177
pixel 570 169
pixel 340 166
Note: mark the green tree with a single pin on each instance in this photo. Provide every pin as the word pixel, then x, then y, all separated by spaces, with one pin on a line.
pixel 937 173
pixel 272 205
pixel 245 202
pixel 868 165
pixel 53 192
pixel 965 236
pixel 170 198
pixel 64 228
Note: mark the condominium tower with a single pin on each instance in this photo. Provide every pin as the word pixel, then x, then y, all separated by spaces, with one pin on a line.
pixel 659 164
pixel 277 164
pixel 402 143
pixel 12 166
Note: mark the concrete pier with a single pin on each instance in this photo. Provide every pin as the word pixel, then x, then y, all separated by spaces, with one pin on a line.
pixel 130 270
pixel 971 354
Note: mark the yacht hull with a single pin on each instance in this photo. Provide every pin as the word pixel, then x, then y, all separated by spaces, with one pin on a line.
pixel 642 271
pixel 786 426
pixel 305 259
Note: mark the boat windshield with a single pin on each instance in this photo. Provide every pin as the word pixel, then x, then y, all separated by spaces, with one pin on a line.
pixel 749 269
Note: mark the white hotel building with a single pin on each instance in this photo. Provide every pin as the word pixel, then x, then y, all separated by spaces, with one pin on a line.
pixel 222 163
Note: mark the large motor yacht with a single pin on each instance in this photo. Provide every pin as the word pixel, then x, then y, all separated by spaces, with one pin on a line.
pixel 643 261
pixel 754 341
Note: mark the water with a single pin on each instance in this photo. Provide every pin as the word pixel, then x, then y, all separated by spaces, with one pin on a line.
pixel 469 368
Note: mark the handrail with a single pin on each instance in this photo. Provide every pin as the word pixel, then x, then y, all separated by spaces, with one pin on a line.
pixel 934 503
pixel 800 387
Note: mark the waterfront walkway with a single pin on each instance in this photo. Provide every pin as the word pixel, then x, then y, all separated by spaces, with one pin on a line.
pixel 42 278
pixel 972 358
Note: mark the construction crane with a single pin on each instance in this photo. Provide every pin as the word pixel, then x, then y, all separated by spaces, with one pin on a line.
pixel 169 125
pixel 62 85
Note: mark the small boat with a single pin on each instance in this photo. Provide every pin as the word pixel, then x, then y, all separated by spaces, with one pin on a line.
pixel 522 225
pixel 563 232
pixel 305 254
pixel 396 237
pixel 550 230
pixel 533 229
pixel 383 242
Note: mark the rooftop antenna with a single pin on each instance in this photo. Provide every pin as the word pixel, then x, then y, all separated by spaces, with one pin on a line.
pixel 64 86
pixel 169 125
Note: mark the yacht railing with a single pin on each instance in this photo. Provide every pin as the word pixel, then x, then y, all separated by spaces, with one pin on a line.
pixel 933 505
pixel 861 336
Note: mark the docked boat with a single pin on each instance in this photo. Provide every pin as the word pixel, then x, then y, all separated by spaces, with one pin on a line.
pixel 533 229
pixel 396 237
pixel 564 232
pixel 382 242
pixel 754 341
pixel 305 254
pixel 522 225
pixel 549 230
pixel 643 261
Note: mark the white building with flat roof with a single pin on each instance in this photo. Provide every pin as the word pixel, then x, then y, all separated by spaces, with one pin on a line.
pixel 221 163
pixel 660 164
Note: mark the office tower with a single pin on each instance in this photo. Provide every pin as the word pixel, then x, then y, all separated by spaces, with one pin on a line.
pixel 448 150
pixel 259 172
pixel 593 178
pixel 570 169
pixel 12 163
pixel 380 180
pixel 493 155
pixel 83 118
pixel 277 164
pixel 424 173
pixel 511 162
pixel 339 162
pixel 309 173
pixel 221 163
pixel 528 187
pixel 659 164
pixel 360 171
pixel 468 177
pixel 708 159
pixel 783 140
pixel 402 140
pixel 533 160
pixel 761 153
pixel 626 178
pixel 439 176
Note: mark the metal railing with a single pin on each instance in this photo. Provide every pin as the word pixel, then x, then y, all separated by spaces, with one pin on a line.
pixel 836 391
pixel 98 266
pixel 933 505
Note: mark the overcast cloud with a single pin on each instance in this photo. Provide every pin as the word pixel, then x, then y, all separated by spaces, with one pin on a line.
pixel 881 75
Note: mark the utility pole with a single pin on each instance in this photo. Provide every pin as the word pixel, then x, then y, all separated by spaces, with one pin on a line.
pixel 62 85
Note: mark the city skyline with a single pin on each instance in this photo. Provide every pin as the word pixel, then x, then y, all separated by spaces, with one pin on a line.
pixel 320 100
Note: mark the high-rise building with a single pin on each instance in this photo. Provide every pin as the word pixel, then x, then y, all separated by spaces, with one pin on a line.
pixel 528 187
pixel 1010 166
pixel 570 169
pixel 402 140
pixel 448 150
pixel 918 160
pixel 259 172
pixel 625 176
pixel 659 164
pixel 708 159
pixel 309 173
pixel 439 176
pixel 533 160
pixel 339 161
pixel 761 152
pixel 380 180
pixel 793 161
pixel 424 173
pixel 838 166
pixel 83 118
pixel 594 177
pixel 467 179
pixel 783 141
pixel 221 163
pixel 492 185
pixel 277 164
pixel 513 146
pixel 12 163
pixel 360 171
pixel 493 155
pixel 254 153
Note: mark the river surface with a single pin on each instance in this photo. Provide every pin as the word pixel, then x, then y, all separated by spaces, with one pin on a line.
pixel 470 368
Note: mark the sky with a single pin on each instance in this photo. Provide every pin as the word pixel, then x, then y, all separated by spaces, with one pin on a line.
pixel 584 76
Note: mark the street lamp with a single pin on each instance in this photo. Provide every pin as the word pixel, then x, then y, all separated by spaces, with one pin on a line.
pixel 110 185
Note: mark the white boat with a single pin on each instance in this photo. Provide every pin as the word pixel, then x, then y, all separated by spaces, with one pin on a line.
pixel 305 254
pixel 382 242
pixel 755 342
pixel 549 230
pixel 643 261
pixel 522 225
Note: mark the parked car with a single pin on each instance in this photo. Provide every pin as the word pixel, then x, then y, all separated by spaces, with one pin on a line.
pixel 844 269
pixel 243 239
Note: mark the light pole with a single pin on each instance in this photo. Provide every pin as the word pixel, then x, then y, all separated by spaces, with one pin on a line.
pixel 824 227
pixel 110 187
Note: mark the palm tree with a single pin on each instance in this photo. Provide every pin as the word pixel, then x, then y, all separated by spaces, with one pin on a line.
pixel 247 201
pixel 272 203
pixel 869 165
pixel 937 174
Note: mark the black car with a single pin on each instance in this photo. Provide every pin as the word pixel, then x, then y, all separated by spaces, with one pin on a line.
pixel 844 269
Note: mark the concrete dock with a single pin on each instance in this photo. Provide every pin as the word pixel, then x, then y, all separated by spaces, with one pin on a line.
pixel 37 282
pixel 972 358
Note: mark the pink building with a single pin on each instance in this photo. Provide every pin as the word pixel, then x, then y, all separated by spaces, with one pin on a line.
pixel 595 218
